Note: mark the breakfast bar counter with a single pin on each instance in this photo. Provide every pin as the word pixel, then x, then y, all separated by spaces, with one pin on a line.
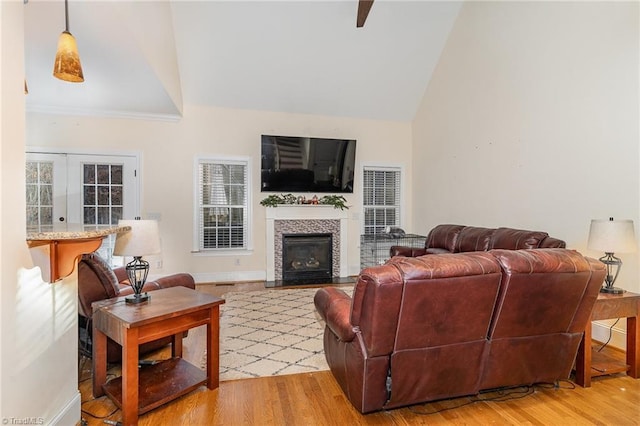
pixel 55 248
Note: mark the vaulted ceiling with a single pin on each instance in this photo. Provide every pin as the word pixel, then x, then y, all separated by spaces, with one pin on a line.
pixel 150 58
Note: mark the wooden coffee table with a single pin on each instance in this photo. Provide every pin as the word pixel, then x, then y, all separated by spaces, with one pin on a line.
pixel 169 312
pixel 590 363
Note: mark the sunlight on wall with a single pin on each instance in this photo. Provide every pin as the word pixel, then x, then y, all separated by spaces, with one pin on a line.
pixel 44 312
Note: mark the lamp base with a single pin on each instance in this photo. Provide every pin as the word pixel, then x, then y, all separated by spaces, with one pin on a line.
pixel 137 298
pixel 612 290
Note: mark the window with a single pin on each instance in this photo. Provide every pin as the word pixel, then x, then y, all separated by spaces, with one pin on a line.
pixel 223 204
pixel 381 198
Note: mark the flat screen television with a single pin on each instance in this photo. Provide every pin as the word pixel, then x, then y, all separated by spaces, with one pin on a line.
pixel 304 164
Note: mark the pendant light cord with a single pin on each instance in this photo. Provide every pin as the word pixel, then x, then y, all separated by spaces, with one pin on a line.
pixel 66 16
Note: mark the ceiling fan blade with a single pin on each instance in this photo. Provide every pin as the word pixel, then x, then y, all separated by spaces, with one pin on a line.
pixel 364 6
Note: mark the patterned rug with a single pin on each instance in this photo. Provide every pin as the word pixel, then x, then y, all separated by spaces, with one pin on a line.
pixel 270 333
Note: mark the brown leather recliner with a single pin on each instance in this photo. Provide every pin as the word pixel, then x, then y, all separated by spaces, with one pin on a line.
pixel 459 238
pixel 98 281
pixel 448 325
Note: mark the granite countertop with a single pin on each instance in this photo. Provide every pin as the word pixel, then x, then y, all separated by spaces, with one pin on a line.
pixel 72 232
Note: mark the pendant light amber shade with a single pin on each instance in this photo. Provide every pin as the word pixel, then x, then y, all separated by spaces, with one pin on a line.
pixel 67 66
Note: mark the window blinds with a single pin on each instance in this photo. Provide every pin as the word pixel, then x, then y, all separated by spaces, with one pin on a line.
pixel 223 205
pixel 381 199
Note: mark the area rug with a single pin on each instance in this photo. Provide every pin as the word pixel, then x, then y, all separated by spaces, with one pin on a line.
pixel 270 333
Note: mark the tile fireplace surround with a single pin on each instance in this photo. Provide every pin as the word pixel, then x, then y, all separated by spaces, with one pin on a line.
pixel 305 218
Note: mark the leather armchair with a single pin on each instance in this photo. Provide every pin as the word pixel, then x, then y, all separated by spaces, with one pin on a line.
pixel 98 281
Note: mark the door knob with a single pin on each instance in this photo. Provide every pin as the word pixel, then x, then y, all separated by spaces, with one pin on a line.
pixel 61 219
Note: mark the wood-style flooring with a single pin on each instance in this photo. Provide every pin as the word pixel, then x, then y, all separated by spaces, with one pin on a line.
pixel 316 399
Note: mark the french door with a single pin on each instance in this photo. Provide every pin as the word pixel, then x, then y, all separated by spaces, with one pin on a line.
pixel 91 190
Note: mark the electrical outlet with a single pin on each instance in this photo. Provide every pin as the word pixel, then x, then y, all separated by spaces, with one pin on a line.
pixel 237 261
pixel 159 264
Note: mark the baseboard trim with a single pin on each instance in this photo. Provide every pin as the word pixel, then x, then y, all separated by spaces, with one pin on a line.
pixel 225 277
pixel 600 332
pixel 70 414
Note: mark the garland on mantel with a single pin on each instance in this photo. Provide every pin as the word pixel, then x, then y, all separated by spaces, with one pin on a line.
pixel 337 201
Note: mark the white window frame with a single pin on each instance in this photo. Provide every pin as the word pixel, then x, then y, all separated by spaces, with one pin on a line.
pixel 197 226
pixel 400 196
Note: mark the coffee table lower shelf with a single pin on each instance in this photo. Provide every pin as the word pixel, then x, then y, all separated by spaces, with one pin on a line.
pixel 159 383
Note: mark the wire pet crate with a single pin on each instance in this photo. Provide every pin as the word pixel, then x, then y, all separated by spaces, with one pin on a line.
pixel 374 249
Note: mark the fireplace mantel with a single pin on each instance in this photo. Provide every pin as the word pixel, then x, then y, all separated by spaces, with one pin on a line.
pixel 304 212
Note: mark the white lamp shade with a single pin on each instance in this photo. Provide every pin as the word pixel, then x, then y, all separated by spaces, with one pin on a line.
pixel 143 238
pixel 612 236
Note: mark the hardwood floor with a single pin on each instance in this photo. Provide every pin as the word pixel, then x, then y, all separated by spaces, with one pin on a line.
pixel 316 399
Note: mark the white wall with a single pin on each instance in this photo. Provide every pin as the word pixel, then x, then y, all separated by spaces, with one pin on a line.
pixel 168 150
pixel 531 121
pixel 38 343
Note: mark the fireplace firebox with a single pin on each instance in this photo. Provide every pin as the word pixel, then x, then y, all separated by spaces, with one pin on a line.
pixel 307 258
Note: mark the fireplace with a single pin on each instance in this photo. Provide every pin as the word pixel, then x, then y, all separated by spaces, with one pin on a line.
pixel 307 219
pixel 307 258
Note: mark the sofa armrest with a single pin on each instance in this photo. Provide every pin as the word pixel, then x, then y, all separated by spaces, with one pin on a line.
pixel 121 274
pixel 176 280
pixel 126 289
pixel 406 251
pixel 334 306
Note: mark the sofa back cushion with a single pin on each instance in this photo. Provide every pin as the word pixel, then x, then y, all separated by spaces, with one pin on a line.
pixel 534 336
pixel 516 239
pixel 551 242
pixel 444 320
pixel 472 238
pixel 442 238
pixel 96 281
pixel 541 291
pixel 447 298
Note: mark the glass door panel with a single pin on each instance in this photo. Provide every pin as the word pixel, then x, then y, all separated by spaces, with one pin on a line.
pixel 46 185
pixel 106 191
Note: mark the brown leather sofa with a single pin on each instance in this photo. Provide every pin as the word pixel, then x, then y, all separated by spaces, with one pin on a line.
pixel 459 238
pixel 448 325
pixel 97 281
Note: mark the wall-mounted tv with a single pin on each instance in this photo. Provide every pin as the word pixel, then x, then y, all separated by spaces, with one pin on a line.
pixel 304 164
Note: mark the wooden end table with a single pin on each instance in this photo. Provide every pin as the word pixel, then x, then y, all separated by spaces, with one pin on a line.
pixel 592 364
pixel 169 312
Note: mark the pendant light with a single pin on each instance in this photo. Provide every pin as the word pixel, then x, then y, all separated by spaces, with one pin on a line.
pixel 67 65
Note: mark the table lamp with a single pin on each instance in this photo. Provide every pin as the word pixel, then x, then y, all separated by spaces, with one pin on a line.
pixel 143 239
pixel 612 236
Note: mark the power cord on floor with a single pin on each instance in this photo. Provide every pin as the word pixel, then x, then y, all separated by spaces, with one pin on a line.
pixel 503 395
pixel 95 416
